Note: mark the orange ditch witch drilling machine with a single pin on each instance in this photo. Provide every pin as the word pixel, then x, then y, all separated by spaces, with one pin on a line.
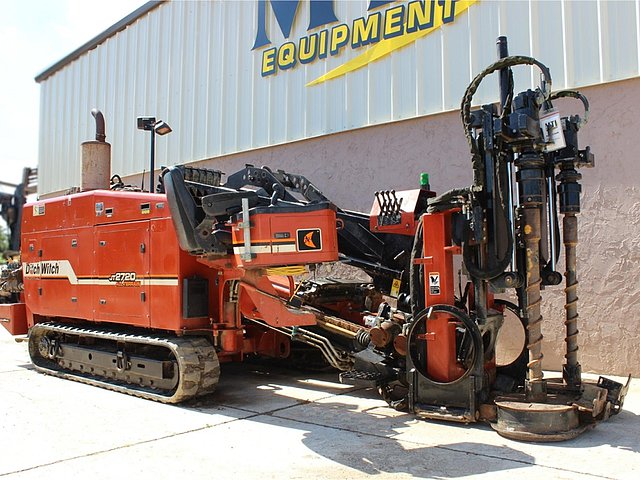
pixel 146 293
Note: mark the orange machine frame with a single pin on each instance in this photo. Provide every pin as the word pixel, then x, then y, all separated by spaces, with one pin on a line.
pixel 114 257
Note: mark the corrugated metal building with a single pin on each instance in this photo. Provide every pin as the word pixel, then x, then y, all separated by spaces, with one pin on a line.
pixel 361 95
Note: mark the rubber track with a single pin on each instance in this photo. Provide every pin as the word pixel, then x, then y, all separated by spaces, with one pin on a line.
pixel 198 365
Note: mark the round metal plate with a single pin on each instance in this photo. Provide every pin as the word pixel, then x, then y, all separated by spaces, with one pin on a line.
pixel 537 422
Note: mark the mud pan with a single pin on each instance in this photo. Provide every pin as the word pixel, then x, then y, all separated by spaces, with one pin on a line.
pixel 538 422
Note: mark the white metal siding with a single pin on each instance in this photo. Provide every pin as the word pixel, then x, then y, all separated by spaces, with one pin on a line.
pixel 191 64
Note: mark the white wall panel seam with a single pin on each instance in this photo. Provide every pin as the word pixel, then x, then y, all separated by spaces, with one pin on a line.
pixel 600 34
pixel 565 59
pixel 638 33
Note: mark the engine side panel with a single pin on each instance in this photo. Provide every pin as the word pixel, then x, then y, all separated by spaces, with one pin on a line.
pixel 113 257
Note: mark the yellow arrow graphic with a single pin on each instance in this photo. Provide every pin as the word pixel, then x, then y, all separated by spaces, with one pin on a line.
pixel 385 47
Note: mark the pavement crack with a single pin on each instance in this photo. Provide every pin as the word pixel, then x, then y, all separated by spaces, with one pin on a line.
pixel 297 403
pixel 122 447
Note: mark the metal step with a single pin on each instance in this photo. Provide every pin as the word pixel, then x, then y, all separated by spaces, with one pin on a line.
pixel 359 378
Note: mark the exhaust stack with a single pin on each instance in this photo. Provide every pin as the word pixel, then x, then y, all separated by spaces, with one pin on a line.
pixel 96 158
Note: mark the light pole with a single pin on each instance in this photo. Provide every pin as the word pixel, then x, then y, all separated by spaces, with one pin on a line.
pixel 154 126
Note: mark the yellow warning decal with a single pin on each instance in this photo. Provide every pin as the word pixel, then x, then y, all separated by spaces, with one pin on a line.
pixel 395 287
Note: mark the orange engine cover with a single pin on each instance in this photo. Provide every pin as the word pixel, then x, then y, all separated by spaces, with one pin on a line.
pixel 111 257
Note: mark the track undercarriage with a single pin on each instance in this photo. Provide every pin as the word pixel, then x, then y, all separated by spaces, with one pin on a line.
pixel 161 368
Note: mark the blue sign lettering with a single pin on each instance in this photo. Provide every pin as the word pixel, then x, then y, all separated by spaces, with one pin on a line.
pixel 321 12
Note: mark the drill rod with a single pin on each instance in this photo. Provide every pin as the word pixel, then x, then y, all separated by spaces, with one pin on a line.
pixel 571 371
pixel 535 385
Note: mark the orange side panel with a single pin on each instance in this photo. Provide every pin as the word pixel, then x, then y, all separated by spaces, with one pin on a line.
pixel 121 273
pixel 442 364
pixel 407 225
pixel 439 279
pixel 56 266
pixel 258 299
pixel 289 239
pixel 169 267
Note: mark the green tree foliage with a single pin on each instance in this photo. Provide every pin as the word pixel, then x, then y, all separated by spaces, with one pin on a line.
pixel 4 241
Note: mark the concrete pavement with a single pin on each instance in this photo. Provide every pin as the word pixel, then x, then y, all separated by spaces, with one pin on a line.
pixel 266 423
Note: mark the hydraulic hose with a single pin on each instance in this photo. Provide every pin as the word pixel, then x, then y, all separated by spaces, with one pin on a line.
pixel 448 199
pixel 577 95
pixel 480 273
pixel 507 62
pixel 417 351
pixel 465 107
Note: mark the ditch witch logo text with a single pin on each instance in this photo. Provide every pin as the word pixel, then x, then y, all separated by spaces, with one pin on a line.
pixel 385 30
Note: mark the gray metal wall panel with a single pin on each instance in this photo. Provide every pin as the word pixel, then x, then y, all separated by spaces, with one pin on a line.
pixel 583 42
pixel 429 77
pixel 548 38
pixel 456 53
pixel 619 39
pixel 192 64
pixel 483 23
pixel 514 22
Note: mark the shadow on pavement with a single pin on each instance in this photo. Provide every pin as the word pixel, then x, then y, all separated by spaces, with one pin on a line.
pixel 381 453
pixel 621 432
pixel 365 440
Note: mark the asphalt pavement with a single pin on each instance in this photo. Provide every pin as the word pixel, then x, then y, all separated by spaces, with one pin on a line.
pixel 272 423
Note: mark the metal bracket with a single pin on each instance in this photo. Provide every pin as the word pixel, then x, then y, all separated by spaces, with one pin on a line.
pixel 122 361
pixel 53 348
pixel 390 208
pixel 245 225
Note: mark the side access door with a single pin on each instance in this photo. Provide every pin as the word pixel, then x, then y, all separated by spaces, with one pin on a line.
pixel 121 291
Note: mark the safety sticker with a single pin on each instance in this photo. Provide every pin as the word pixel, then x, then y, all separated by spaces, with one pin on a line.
pixel 434 283
pixel 309 239
pixel 552 130
pixel 395 287
pixel 38 210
